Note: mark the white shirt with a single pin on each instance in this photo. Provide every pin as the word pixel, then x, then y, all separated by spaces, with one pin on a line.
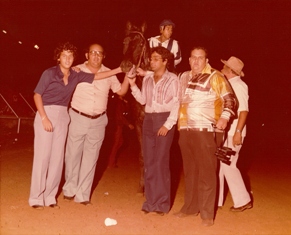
pixel 154 42
pixel 159 97
pixel 241 91
pixel 92 98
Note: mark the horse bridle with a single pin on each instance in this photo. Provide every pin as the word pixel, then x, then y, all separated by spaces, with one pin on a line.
pixel 143 52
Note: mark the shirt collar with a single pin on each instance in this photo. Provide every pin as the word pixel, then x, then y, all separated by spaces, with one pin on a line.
pixel 59 72
pixel 163 76
pixel 101 68
pixel 235 78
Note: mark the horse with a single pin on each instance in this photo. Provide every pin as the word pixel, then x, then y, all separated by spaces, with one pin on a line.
pixel 136 51
pixel 135 47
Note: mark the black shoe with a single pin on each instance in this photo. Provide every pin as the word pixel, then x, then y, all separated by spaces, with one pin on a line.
pixel 160 213
pixel 207 222
pixel 242 208
pixel 54 206
pixel 37 207
pixel 86 203
pixel 144 212
pixel 68 199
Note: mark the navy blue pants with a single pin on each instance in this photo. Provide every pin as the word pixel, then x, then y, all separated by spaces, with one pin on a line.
pixel 156 151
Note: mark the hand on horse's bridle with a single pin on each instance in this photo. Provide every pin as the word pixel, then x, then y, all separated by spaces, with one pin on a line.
pixel 125 66
pixel 132 72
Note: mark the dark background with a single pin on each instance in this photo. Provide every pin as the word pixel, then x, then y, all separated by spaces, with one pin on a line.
pixel 258 32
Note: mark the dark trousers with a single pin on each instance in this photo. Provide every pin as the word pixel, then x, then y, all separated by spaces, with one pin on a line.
pixel 200 171
pixel 156 152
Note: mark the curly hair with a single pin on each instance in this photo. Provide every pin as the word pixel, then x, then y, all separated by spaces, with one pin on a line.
pixel 67 46
pixel 166 55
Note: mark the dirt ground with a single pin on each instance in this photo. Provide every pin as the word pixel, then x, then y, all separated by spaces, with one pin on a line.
pixel 114 196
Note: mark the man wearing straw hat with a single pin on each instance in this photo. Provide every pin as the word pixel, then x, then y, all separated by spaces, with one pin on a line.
pixel 232 70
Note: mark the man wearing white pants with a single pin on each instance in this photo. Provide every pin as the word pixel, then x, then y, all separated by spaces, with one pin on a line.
pixel 233 72
pixel 87 128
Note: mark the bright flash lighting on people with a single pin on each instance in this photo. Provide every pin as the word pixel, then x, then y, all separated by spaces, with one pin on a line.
pixel 36 47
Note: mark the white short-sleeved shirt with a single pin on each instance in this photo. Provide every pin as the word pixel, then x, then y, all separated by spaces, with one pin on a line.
pixel 241 91
pixel 92 98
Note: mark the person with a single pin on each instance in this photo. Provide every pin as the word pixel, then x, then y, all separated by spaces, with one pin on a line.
pixel 87 128
pixel 52 96
pixel 160 95
pixel 164 39
pixel 121 121
pixel 232 70
pixel 207 103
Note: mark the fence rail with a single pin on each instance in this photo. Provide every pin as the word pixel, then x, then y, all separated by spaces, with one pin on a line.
pixel 15 109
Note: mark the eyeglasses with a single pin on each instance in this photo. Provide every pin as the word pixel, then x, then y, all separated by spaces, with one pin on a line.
pixel 97 53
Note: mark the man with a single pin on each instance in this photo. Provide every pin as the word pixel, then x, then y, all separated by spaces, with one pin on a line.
pixel 87 127
pixel 165 40
pixel 207 103
pixel 232 70
pixel 160 95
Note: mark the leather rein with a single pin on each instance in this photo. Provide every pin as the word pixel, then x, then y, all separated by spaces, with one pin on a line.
pixel 143 52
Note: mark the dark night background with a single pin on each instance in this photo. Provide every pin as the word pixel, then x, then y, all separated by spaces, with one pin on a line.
pixel 258 32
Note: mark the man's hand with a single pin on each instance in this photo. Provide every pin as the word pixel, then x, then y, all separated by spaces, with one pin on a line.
pixel 221 123
pixel 132 73
pixel 131 81
pixel 237 139
pixel 47 125
pixel 141 72
pixel 162 131
pixel 76 69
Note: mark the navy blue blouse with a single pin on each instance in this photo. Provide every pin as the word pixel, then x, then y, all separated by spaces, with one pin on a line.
pixel 52 88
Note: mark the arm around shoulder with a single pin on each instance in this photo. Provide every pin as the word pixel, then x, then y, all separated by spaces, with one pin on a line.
pixel 106 74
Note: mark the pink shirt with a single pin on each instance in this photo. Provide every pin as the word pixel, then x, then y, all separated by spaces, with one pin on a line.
pixel 92 98
pixel 159 97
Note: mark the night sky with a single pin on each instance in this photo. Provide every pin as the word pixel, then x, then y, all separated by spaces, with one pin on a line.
pixel 258 32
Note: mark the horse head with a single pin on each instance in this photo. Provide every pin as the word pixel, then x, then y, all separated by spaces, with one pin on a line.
pixel 135 46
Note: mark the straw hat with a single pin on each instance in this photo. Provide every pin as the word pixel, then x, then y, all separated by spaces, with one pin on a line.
pixel 235 64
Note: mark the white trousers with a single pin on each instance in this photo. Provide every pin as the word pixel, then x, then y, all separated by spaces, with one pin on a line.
pixel 48 156
pixel 238 191
pixel 84 141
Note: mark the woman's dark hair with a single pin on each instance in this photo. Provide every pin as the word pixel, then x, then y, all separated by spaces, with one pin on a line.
pixel 67 46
